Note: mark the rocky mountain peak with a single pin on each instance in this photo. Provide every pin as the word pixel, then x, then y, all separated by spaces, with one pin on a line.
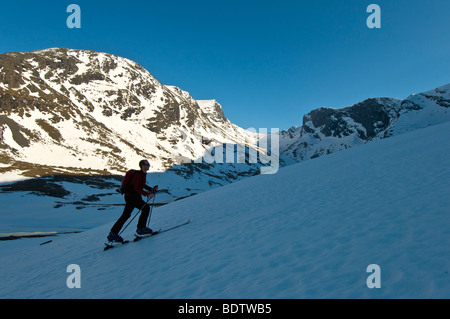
pixel 369 117
pixel 99 110
pixel 213 110
pixel 326 130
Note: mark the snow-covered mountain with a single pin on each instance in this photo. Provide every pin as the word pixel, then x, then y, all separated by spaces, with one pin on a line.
pixel 326 130
pixel 309 231
pixel 68 111
pixel 82 111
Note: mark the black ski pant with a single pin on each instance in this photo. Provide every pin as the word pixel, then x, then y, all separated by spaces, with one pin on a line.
pixel 132 202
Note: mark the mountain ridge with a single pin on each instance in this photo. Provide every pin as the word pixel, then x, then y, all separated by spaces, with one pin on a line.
pixel 101 109
pixel 326 130
pixel 81 112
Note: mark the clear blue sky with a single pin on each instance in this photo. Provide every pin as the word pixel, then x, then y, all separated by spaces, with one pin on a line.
pixel 266 62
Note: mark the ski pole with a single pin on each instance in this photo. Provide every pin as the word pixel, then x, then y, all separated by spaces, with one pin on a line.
pixel 151 211
pixel 134 216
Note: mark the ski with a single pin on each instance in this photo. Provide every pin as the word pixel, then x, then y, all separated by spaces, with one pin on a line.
pixel 173 227
pixel 139 237
pixel 110 245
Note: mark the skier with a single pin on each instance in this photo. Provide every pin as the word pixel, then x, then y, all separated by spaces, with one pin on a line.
pixel 135 184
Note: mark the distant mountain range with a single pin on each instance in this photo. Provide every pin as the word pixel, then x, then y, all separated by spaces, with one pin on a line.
pixel 326 130
pixel 76 111
pixel 66 111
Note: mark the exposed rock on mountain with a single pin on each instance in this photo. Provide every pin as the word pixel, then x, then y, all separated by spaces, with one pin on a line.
pixel 326 130
pixel 80 111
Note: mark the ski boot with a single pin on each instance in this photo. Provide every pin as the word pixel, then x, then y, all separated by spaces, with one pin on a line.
pixel 114 238
pixel 144 231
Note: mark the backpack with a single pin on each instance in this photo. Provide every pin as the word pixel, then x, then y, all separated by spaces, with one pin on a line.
pixel 126 188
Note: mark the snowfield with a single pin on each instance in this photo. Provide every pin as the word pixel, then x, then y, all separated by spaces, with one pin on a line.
pixel 309 231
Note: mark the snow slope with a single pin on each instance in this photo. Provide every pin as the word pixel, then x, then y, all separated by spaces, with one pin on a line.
pixel 309 231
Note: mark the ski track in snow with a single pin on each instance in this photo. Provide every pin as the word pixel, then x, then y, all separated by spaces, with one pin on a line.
pixel 309 231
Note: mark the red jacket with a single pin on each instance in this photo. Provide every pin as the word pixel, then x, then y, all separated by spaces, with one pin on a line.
pixel 137 179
